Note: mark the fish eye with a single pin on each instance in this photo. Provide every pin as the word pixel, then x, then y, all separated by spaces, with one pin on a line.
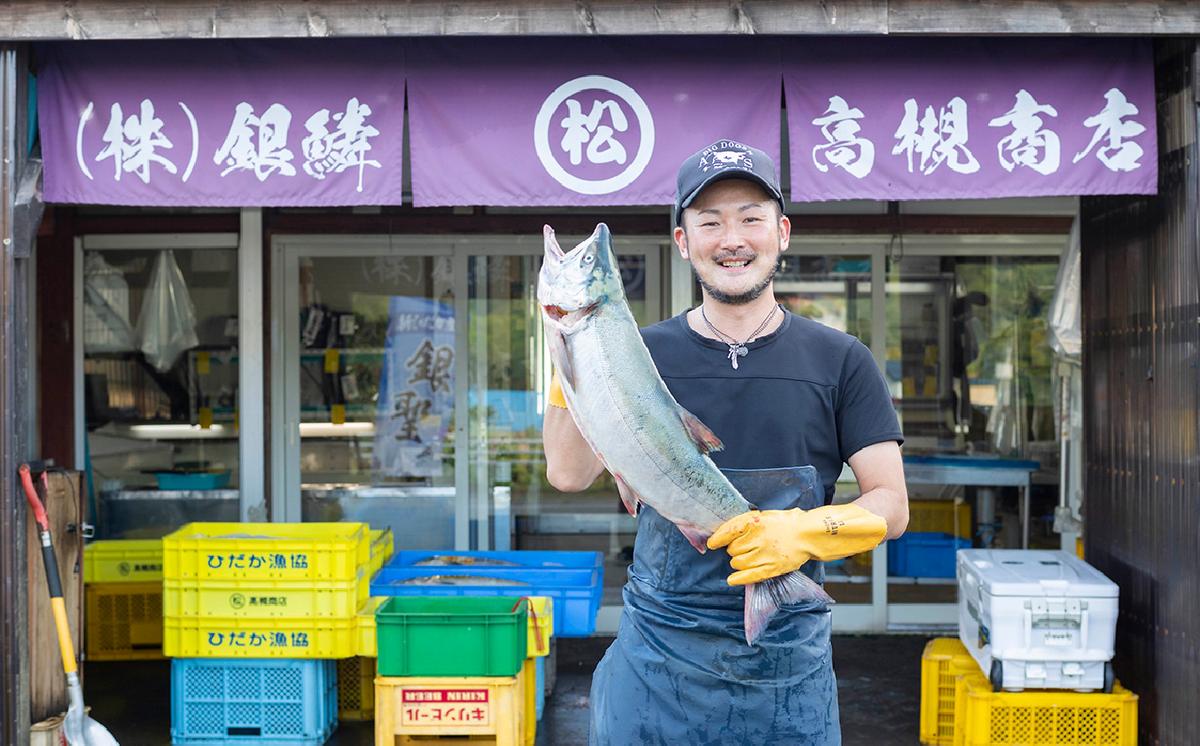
pixel 589 258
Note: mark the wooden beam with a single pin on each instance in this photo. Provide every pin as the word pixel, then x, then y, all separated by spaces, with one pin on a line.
pixel 232 19
pixel 1073 17
pixel 28 20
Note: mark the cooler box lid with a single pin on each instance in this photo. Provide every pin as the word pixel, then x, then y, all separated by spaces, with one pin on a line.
pixel 1035 572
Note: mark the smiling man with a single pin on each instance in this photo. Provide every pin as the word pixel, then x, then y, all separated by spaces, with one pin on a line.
pixel 782 392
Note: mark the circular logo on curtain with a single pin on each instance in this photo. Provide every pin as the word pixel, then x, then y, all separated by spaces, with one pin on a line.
pixel 594 135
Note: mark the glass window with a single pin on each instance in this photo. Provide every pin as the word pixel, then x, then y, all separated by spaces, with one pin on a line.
pixel 967 357
pixel 509 371
pixel 376 359
pixel 160 382
pixel 971 373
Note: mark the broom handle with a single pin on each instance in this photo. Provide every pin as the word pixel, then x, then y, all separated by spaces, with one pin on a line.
pixel 57 606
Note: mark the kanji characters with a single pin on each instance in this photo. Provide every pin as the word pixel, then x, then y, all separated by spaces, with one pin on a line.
pixel 937 138
pixel 843 147
pixel 346 146
pixel 257 143
pixel 1117 153
pixel 1029 144
pixel 580 128
pixel 133 143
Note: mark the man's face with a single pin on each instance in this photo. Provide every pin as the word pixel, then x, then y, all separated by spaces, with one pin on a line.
pixel 734 237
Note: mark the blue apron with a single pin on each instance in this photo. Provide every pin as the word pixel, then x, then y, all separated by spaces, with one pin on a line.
pixel 680 671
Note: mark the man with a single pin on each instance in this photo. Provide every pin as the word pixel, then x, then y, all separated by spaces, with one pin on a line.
pixel 781 392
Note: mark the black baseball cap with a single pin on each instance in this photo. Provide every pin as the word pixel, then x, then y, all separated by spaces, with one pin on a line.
pixel 724 159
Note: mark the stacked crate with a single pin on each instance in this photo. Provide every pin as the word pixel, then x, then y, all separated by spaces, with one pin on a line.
pixel 454 667
pixel 1039 625
pixel 356 676
pixel 123 599
pixel 571 581
pixel 255 616
pixel 959 708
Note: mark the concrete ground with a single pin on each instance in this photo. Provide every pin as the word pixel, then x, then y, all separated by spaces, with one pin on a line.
pixel 878 686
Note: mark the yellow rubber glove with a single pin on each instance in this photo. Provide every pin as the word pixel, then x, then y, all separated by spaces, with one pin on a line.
pixel 767 543
pixel 554 397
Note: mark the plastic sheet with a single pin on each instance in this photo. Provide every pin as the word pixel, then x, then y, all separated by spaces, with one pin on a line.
pixel 1065 334
pixel 167 323
pixel 105 307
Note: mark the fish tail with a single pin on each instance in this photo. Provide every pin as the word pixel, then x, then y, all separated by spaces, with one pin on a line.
pixel 764 599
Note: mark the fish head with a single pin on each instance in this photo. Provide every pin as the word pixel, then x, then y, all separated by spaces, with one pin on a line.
pixel 573 285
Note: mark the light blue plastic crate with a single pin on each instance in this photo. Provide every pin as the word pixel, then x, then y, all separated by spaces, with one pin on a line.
pixel 576 591
pixel 539 666
pixel 268 702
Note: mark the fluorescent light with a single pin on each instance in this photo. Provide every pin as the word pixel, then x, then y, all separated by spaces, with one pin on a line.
pixel 330 430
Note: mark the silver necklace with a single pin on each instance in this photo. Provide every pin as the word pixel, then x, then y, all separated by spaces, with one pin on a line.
pixel 738 349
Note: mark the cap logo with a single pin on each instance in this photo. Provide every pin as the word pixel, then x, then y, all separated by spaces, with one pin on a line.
pixel 721 159
pixel 575 143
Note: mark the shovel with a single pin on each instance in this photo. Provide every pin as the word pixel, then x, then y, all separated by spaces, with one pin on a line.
pixel 80 729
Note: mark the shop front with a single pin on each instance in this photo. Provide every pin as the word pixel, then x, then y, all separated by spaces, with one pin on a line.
pixel 348 330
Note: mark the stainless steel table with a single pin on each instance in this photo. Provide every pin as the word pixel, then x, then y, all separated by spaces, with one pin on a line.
pixel 976 471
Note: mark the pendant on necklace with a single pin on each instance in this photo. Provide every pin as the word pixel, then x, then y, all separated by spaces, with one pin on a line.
pixel 736 351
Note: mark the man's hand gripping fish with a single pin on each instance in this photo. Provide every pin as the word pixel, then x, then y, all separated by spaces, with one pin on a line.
pixel 654 448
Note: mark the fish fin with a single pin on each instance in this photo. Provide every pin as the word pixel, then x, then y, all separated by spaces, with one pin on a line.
pixel 631 499
pixel 561 356
pixel 764 599
pixel 704 438
pixel 695 536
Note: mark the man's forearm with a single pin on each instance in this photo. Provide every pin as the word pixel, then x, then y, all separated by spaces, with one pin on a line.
pixel 570 464
pixel 889 505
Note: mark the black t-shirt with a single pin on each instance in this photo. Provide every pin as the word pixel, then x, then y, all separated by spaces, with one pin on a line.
pixel 804 394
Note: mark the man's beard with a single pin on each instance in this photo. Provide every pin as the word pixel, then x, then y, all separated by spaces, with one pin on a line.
pixel 740 299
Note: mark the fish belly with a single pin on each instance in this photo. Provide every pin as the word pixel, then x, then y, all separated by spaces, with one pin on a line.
pixel 633 425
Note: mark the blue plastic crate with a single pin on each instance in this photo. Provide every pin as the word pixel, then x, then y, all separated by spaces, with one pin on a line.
pixel 275 702
pixel 924 554
pixel 576 592
pixel 545 560
pixel 200 480
pixel 539 667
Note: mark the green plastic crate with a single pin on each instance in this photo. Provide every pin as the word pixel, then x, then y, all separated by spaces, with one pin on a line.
pixel 451 636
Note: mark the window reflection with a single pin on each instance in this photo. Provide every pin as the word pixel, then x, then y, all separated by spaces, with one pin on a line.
pixel 160 380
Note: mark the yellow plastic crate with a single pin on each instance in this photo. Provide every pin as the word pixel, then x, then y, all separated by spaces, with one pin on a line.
pixel 541 626
pixel 382 548
pixel 313 599
pixel 263 552
pixel 1042 718
pixel 422 710
pixel 944 660
pixel 194 637
pixel 529 674
pixel 940 516
pixel 367 647
pixel 123 561
pixel 356 688
pixel 123 621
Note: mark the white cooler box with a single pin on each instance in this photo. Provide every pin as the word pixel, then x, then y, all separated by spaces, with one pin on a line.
pixel 1037 619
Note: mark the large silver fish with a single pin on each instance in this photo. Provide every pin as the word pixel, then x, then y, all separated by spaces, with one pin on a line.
pixel 655 449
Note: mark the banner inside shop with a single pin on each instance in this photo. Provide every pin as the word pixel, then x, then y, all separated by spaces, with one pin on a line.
pixel 588 121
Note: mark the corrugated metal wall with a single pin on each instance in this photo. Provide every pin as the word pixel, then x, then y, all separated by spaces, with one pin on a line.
pixel 1141 351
